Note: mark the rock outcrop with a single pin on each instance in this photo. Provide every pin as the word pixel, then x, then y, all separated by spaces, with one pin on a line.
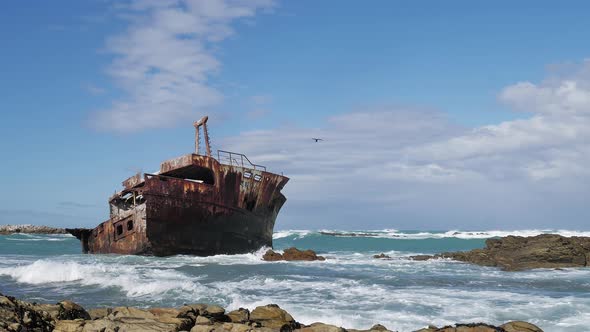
pixel 292 254
pixel 382 256
pixel 66 316
pixel 516 326
pixel 30 229
pixel 515 253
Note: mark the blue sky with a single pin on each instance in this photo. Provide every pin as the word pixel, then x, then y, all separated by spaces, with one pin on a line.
pixel 437 115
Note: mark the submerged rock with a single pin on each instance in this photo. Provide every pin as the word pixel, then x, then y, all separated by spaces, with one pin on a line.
pixel 292 254
pixel 515 253
pixel 382 256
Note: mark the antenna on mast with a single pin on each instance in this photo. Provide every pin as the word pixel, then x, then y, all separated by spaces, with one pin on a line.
pixel 198 125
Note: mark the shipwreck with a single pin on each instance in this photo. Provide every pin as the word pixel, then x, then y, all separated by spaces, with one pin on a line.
pixel 195 205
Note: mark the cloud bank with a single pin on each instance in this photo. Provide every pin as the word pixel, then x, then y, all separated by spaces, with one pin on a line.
pixel 164 60
pixel 399 164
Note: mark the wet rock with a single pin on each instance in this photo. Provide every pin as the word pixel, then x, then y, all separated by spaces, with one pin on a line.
pixel 188 312
pixel 292 254
pixel 239 316
pixel 515 253
pixel 16 315
pixel 271 256
pixel 69 311
pixel 421 257
pixel 382 256
pixel 272 316
pixel 198 308
pixel 519 326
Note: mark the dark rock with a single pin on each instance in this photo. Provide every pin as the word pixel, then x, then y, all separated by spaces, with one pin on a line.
pixel 421 257
pixel 381 256
pixel 213 311
pixel 514 253
pixel 70 311
pixel 16 315
pixel 292 254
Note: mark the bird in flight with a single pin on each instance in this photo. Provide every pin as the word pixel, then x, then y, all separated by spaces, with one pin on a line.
pixel 317 139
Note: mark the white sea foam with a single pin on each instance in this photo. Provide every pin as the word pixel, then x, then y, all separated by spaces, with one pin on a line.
pixel 134 281
pixel 396 234
pixel 359 305
pixel 298 233
pixel 350 289
pixel 24 237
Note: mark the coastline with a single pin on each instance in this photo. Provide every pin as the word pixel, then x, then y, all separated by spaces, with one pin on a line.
pixel 350 289
pixel 66 316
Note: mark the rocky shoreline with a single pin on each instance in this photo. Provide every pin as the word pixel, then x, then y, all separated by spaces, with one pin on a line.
pixel 67 316
pixel 30 229
pixel 517 253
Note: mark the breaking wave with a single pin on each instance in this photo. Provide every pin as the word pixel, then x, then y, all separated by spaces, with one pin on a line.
pixel 422 235
pixel 39 237
pixel 133 281
pixel 350 288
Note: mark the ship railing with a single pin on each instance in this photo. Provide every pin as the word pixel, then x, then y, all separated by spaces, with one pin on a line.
pixel 237 159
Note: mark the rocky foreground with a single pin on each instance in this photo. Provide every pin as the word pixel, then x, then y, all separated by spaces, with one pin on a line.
pixel 516 253
pixel 66 316
pixel 30 229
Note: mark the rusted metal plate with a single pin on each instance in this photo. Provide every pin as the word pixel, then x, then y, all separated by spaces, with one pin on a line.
pixel 133 181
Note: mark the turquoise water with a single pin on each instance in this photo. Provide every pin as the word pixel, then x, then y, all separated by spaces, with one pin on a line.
pixel 350 288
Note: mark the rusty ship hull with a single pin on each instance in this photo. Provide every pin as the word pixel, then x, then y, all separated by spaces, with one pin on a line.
pixel 195 205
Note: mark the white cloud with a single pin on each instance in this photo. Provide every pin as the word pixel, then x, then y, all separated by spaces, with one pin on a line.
pixel 514 170
pixel 164 60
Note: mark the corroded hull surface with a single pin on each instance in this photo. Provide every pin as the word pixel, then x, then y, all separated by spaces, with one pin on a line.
pixel 228 210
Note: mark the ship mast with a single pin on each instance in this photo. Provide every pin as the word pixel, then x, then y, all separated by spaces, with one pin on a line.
pixel 198 125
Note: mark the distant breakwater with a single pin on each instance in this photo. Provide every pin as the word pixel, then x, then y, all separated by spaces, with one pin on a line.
pixel 30 229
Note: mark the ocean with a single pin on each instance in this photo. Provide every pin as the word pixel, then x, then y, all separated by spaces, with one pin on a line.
pixel 349 289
